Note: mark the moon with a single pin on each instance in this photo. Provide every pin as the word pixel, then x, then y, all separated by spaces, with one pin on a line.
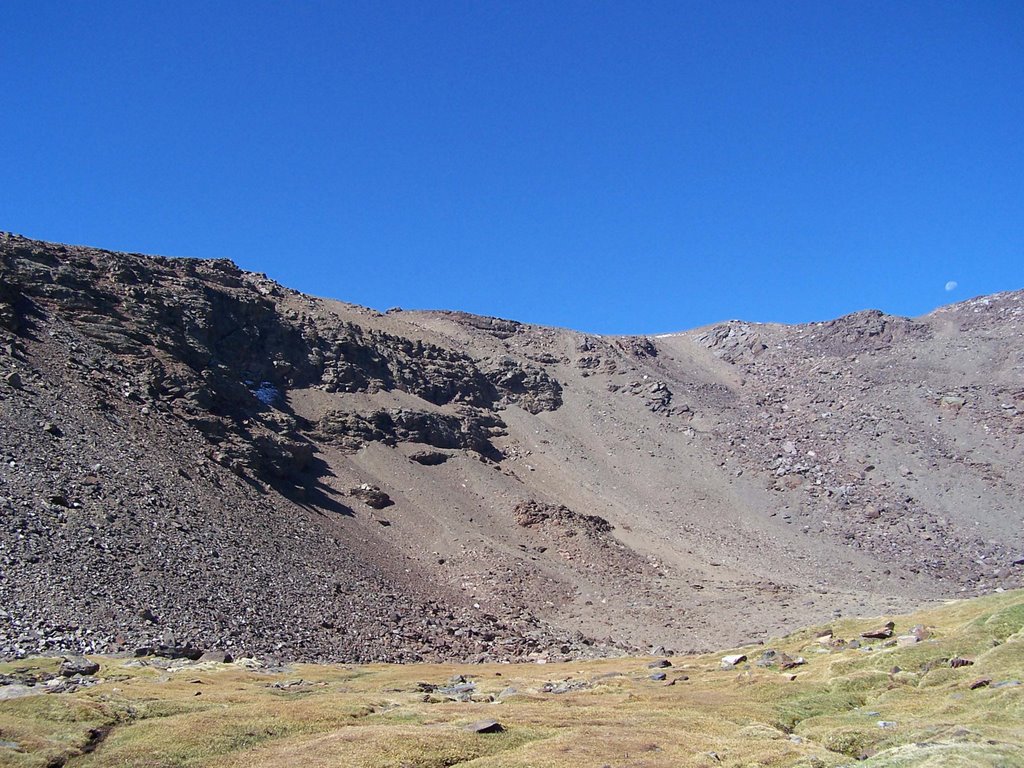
pixel 951 285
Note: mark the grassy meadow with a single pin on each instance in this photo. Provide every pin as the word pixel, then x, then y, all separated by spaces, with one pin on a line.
pixel 881 704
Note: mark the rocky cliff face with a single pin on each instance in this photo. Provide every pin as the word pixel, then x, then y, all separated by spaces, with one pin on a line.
pixel 195 455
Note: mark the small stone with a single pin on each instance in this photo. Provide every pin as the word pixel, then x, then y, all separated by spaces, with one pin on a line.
pixel 905 640
pixel 659 664
pixel 981 682
pixel 13 380
pixel 886 724
pixel 658 676
pixel 953 402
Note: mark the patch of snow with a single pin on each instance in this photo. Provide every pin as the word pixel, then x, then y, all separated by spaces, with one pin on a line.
pixel 266 393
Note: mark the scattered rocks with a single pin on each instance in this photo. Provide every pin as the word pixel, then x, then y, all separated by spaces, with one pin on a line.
pixel 462 691
pixel 565 686
pixel 532 513
pixel 770 658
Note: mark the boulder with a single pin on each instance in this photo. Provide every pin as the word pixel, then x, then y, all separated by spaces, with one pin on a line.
pixel 730 661
pixel 429 458
pixel 881 633
pixel 177 652
pixel 788 662
pixel 485 726
pixel 371 495
pixel 78 665
pixel 218 656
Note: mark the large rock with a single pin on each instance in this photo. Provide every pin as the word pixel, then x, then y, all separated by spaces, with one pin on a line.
pixel 730 661
pixel 78 665
pixel 371 495
pixel 485 726
pixel 880 633
pixel 217 656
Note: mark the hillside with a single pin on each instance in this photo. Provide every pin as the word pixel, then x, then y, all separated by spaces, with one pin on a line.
pixel 196 457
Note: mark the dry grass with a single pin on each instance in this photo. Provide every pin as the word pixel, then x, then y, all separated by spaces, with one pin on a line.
pixel 229 716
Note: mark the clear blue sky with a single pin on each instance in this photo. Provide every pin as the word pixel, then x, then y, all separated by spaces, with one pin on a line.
pixel 613 167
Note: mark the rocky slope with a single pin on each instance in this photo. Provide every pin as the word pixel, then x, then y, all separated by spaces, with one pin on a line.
pixel 193 455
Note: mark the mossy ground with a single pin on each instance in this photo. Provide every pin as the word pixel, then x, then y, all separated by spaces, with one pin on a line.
pixel 231 716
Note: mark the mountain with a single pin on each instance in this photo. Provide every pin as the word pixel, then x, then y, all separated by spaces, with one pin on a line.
pixel 193 456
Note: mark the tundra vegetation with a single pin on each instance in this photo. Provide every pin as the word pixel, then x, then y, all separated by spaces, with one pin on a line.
pixel 943 690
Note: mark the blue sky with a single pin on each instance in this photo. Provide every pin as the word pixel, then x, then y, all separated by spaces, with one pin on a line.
pixel 621 167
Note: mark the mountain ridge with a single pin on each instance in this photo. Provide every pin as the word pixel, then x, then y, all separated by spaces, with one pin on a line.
pixel 438 469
